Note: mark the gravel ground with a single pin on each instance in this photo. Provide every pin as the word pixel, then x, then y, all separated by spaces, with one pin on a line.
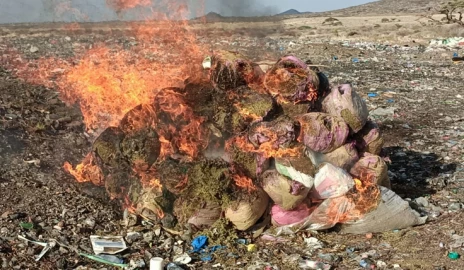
pixel 417 102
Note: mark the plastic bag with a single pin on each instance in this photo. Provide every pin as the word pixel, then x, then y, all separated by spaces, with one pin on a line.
pixel 322 132
pixel 392 213
pixel 343 101
pixel 281 217
pixel 299 169
pixel 344 157
pixel 331 182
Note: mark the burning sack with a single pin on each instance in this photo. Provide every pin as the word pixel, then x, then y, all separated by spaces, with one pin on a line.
pixel 279 133
pixel 245 212
pixel 344 157
pixel 229 70
pixel 253 164
pixel 374 167
pixel 369 139
pixel 392 213
pixel 206 216
pixel 299 169
pixel 281 217
pixel 322 132
pixel 106 149
pixel 343 101
pixel 331 182
pixel 251 107
pixel 327 214
pixel 285 192
pixel 291 80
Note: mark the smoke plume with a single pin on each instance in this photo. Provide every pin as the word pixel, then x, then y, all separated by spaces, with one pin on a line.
pixel 241 8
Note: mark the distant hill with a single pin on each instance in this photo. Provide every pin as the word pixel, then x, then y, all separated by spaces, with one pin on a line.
pixel 381 7
pixel 289 12
pixel 386 7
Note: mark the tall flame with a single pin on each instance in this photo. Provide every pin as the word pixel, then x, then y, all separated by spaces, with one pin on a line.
pixel 109 79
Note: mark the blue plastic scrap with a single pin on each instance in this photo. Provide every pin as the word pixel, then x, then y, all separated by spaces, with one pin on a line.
pixel 199 243
pixel 355 60
pixel 200 246
pixel 372 94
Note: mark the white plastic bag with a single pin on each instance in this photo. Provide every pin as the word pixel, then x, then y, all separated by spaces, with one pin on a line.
pixel 331 182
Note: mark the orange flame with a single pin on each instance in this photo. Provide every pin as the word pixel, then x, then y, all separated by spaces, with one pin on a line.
pixel 244 182
pixel 87 171
pixel 268 149
pixel 148 176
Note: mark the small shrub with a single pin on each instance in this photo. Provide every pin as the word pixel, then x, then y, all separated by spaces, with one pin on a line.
pixel 353 33
pixel 376 25
pixel 332 21
pixel 385 20
pixel 304 27
pixel 398 25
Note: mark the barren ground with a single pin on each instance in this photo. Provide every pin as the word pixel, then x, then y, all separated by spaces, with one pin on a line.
pixel 423 138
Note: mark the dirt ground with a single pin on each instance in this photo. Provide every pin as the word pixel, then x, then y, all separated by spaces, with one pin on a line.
pixel 423 126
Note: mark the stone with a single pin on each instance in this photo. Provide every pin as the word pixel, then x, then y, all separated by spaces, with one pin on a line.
pixel 132 237
pixel 455 206
pixel 422 201
pixel 34 49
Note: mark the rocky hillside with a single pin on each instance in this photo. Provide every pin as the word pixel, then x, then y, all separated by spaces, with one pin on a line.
pixel 387 7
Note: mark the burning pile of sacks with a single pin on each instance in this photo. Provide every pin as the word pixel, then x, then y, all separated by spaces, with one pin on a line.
pixel 333 173
pixel 282 143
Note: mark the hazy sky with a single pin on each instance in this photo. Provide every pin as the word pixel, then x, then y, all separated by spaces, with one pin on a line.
pixel 16 11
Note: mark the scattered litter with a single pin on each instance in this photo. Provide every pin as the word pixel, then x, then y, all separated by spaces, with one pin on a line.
pixel 381 264
pixel 172 266
pixel 27 225
pixel 109 260
pixel 447 42
pixel 454 255
pixel 252 248
pixel 383 112
pixel 156 263
pixel 182 259
pixel 308 264
pixel 313 243
pixel 367 263
pixel 200 246
pixel 242 241
pixel 107 244
pixel 46 246
pixel 199 243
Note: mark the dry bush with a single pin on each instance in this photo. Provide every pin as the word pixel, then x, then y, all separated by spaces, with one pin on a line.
pixel 332 21
pixel 304 27
pixel 404 32
pixel 385 20
pixel 453 30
